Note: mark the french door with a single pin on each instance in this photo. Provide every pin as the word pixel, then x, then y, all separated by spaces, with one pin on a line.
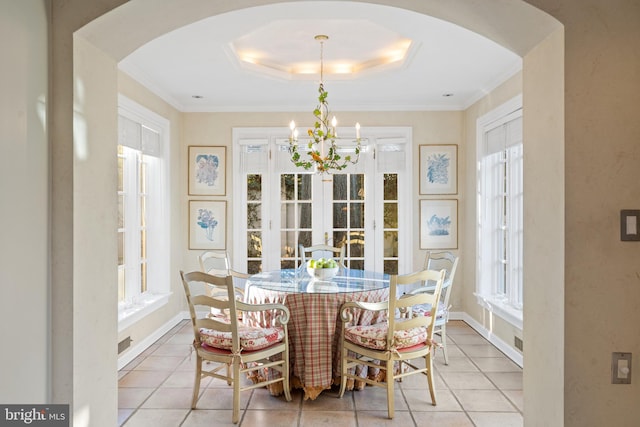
pixel 286 207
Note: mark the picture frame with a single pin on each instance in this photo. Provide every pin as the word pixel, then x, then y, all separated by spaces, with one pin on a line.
pixel 439 169
pixel 207 170
pixel 207 224
pixel 439 224
pixel 630 225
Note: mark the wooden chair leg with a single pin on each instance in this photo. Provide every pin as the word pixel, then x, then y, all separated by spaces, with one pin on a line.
pixel 286 383
pixel 443 338
pixel 196 382
pixel 432 389
pixel 236 392
pixel 390 394
pixel 343 369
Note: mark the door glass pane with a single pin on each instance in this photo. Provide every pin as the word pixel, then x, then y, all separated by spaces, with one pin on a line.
pixel 390 244
pixel 357 187
pixel 296 216
pixel 304 239
pixel 304 187
pixel 390 223
pixel 340 187
pixel 391 266
pixel 349 216
pixel 356 264
pixel 391 215
pixel 254 215
pixel 339 215
pixel 356 244
pixel 305 215
pixel 288 240
pixel 120 210
pixel 254 187
pixel 254 267
pixel 254 244
pixel 357 215
pixel 287 187
pixel 391 187
pixel 254 223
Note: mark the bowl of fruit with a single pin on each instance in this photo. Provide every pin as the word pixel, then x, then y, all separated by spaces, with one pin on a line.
pixel 322 269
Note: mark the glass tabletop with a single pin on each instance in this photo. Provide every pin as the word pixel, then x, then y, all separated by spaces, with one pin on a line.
pixel 299 281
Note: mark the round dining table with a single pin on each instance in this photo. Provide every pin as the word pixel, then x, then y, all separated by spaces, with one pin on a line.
pixel 314 326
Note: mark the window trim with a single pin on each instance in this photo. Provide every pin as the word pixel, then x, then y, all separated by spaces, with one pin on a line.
pixel 486 298
pixel 158 285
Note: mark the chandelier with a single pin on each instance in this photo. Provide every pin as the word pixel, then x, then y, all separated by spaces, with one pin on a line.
pixel 322 153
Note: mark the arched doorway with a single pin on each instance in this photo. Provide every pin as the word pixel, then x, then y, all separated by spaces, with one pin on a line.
pixel 115 34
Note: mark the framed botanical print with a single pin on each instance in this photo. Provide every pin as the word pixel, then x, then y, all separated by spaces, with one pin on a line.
pixel 207 170
pixel 439 169
pixel 207 224
pixel 438 224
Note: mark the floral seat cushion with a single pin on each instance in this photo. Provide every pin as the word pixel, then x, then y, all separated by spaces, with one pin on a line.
pixel 425 310
pixel 375 336
pixel 250 338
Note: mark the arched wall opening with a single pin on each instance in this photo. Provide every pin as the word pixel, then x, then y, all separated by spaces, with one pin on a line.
pixel 99 46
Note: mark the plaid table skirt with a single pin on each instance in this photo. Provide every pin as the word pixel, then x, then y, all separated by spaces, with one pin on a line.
pixel 314 333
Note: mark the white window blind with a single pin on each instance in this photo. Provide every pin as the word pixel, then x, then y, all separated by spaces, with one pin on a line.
pixel 134 135
pixel 390 154
pixel 254 155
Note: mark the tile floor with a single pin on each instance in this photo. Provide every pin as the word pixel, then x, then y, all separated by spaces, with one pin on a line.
pixel 480 387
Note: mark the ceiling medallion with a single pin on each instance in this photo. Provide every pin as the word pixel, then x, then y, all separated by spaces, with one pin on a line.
pixel 322 151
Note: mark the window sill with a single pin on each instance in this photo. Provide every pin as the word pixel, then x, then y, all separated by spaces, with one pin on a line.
pixel 501 309
pixel 129 314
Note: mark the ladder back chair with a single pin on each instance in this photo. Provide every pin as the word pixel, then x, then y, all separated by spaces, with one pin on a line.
pixel 232 345
pixel 394 343
pixel 437 260
pixel 326 250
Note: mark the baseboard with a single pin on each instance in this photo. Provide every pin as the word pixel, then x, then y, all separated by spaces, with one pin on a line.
pixel 137 349
pixel 509 351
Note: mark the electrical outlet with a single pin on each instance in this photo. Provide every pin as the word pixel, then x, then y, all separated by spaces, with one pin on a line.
pixel 620 368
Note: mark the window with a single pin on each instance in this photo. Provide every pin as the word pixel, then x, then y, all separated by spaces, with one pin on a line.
pixel 357 208
pixel 500 212
pixel 142 212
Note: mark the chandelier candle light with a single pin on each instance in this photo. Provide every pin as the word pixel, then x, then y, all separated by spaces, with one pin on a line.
pixel 322 149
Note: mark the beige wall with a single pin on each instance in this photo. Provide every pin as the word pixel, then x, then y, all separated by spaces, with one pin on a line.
pixel 93 142
pixel 24 203
pixel 602 176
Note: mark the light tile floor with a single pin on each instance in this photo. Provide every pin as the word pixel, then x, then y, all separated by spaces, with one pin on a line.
pixel 480 387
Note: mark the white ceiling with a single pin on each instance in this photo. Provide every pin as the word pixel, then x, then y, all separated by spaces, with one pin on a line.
pixel 202 59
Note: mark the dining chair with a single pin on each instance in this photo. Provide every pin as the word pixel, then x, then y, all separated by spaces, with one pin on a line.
pixel 324 249
pixel 437 260
pixel 393 344
pixel 217 263
pixel 229 343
